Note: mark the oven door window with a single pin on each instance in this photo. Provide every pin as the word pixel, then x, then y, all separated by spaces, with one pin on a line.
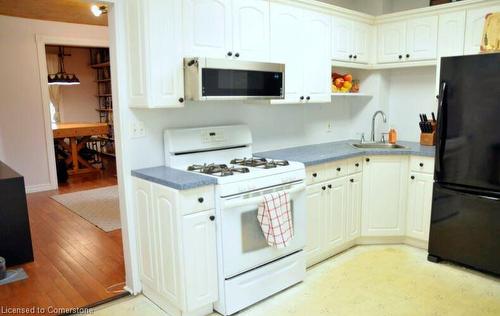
pixel 252 237
pixel 229 83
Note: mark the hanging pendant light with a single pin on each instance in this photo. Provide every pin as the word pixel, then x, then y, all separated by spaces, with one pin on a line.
pixel 62 77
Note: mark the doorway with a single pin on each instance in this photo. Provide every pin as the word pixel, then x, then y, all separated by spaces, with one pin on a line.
pixel 75 228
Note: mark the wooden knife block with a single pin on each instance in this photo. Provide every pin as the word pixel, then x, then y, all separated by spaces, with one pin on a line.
pixel 429 139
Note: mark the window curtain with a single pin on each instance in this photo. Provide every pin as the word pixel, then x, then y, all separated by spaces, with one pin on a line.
pixel 54 90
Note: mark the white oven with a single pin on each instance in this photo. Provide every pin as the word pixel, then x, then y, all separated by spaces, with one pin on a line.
pixel 244 246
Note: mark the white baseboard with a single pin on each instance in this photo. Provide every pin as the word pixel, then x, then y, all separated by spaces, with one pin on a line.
pixel 40 188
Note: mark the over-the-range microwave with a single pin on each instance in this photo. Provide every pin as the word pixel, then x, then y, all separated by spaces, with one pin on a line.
pixel 223 79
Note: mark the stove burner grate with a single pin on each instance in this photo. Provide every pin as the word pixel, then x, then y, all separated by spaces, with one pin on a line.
pixel 259 163
pixel 220 170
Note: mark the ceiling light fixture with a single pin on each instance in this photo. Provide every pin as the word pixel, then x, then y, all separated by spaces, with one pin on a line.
pixel 98 10
pixel 61 77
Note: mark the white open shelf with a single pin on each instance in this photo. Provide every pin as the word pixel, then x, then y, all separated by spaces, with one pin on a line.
pixel 342 94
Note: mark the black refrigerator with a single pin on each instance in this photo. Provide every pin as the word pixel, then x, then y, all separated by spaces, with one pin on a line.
pixel 465 220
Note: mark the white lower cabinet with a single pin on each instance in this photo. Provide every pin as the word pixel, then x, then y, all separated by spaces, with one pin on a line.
pixel 385 181
pixel 177 249
pixel 335 213
pixel 354 199
pixel 419 206
pixel 333 209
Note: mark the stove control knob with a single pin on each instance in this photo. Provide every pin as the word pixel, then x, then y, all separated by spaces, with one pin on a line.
pixel 212 218
pixel 315 175
pixel 200 199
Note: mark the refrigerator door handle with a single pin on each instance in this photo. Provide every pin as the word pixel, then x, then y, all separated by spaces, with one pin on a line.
pixel 441 127
pixel 489 198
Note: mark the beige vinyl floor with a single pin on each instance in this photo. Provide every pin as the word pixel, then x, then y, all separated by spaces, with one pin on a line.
pixel 368 280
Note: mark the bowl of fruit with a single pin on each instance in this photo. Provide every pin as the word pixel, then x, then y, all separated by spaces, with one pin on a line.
pixel 342 83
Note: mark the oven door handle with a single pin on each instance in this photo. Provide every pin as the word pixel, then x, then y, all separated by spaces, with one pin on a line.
pixel 258 199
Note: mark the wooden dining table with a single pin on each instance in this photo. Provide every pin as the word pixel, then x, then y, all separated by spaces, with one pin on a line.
pixel 75 132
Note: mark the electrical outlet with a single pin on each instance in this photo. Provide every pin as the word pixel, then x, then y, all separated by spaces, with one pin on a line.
pixel 138 129
pixel 329 127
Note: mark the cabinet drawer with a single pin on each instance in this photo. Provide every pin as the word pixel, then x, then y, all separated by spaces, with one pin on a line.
pixel 318 173
pixel 196 200
pixel 355 165
pixel 422 164
pixel 339 168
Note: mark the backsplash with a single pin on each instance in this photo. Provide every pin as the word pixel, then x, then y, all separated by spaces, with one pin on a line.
pixel 276 126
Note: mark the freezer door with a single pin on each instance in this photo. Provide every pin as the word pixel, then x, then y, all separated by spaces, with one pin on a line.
pixel 468 146
pixel 465 228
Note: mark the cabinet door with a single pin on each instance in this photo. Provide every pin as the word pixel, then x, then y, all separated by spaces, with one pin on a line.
pixel 335 213
pixel 166 228
pixel 251 29
pixel 419 205
pixel 342 39
pixel 207 28
pixel 155 70
pixel 287 47
pixel 421 38
pixel 353 217
pixel 385 182
pixel 145 215
pixel 451 34
pixel 361 35
pixel 391 42
pixel 315 214
pixel 316 60
pixel 200 259
pixel 474 28
pixel 165 62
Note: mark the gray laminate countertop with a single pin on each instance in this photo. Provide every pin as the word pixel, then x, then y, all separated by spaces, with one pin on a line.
pixel 308 155
pixel 320 153
pixel 174 178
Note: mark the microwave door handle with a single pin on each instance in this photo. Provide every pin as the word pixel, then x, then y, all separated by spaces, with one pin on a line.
pixel 256 200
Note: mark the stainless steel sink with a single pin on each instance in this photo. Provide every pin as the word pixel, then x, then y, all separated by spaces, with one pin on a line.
pixel 378 146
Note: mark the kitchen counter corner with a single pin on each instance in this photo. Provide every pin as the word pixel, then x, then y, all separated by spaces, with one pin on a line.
pixel 174 178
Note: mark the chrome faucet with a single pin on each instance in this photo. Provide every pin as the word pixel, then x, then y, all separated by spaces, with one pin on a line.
pixel 373 123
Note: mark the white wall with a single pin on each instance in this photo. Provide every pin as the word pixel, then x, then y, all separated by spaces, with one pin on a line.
pixel 79 101
pixel 412 91
pixel 21 111
pixel 379 7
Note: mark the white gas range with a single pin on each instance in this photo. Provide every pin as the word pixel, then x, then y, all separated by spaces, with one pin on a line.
pixel 248 269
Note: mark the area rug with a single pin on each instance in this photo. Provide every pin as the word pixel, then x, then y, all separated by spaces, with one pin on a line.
pixel 385 280
pixel 98 206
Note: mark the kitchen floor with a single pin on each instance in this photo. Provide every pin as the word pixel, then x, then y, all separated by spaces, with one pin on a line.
pixel 368 280
pixel 75 262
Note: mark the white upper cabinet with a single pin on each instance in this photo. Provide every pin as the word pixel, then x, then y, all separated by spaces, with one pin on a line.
pixel 236 29
pixel 362 34
pixel 411 40
pixel 251 29
pixel 316 57
pixel 155 69
pixel 286 47
pixel 301 40
pixel 391 42
pixel 474 28
pixel 342 39
pixel 350 40
pixel 207 28
pixel 421 38
pixel 451 34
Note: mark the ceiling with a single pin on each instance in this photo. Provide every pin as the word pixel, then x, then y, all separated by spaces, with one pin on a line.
pixel 71 11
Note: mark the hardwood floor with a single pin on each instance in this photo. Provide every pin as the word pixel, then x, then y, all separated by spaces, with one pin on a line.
pixel 75 262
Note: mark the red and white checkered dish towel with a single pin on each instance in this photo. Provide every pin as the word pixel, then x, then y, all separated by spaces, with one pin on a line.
pixel 275 219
